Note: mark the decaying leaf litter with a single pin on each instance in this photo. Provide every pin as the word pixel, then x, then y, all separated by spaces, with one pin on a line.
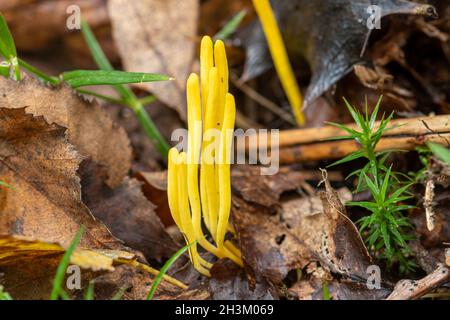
pixel 72 161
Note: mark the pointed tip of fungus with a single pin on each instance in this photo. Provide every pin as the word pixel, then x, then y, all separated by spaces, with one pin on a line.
pixel 206 41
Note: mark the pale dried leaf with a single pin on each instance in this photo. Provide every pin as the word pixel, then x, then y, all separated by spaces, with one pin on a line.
pixel 90 129
pixel 157 36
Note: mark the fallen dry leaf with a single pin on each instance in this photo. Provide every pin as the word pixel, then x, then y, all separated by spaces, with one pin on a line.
pixel 312 289
pixel 28 267
pixel 42 165
pixel 331 55
pixel 15 250
pixel 230 282
pixel 90 129
pixel 264 190
pixel 155 189
pixel 157 36
pixel 127 213
pixel 306 229
pixel 136 285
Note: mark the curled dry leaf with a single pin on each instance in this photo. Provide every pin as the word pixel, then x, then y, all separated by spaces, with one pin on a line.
pixel 28 266
pixel 45 204
pixel 136 285
pixel 312 289
pixel 155 189
pixel 164 44
pixel 127 213
pixel 254 187
pixel 15 250
pixel 42 165
pixel 89 128
pixel 306 229
pixel 306 26
pixel 229 282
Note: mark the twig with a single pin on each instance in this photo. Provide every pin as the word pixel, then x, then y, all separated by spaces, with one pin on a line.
pixel 152 271
pixel 310 144
pixel 261 100
pixel 428 204
pixel 340 149
pixel 410 289
pixel 415 126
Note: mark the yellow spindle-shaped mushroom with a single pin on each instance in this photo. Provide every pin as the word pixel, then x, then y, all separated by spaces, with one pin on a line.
pixel 206 63
pixel 185 216
pixel 210 142
pixel 280 57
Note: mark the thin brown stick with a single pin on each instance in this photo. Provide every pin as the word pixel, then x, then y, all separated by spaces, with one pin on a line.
pixel 339 149
pixel 261 100
pixel 411 289
pixel 413 127
pixel 312 145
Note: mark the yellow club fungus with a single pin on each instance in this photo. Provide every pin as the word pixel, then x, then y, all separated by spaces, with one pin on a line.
pixel 280 57
pixel 207 198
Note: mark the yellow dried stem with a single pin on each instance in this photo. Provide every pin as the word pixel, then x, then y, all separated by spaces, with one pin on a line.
pixel 280 57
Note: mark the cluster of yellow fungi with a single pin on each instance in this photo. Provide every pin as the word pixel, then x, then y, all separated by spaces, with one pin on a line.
pixel 194 198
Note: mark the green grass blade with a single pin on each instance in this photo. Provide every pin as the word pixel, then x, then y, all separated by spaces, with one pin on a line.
pixel 4 184
pixel 326 291
pixel 102 61
pixel 64 295
pixel 97 53
pixel 100 96
pixel 374 115
pixel 7 46
pixel 127 95
pixel 164 269
pixel 40 74
pixel 62 267
pixel 147 100
pixel 350 157
pixel 119 294
pixel 231 26
pixel 89 294
pixel 4 295
pixel 440 151
pixel 81 78
pixel 150 129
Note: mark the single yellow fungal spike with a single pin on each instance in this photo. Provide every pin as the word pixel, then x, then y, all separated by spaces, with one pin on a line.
pixel 185 216
pixel 210 145
pixel 280 57
pixel 223 167
pixel 206 63
pixel 172 185
pixel 221 63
